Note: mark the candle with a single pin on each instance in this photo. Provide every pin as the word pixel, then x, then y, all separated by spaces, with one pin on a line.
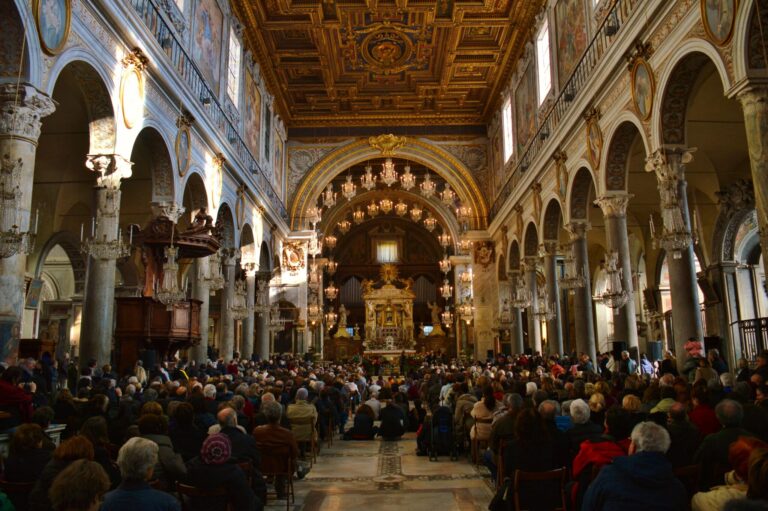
pixel 93 227
pixel 37 217
pixel 695 220
pixel 130 236
pixel 81 232
pixel 653 229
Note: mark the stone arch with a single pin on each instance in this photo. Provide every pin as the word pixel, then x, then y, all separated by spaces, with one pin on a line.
pixel 194 195
pixel 747 42
pixel 675 89
pixel 514 255
pixel 531 243
pixel 617 155
pixel 436 159
pixel 265 258
pixel 247 242
pixel 71 245
pixel 579 200
pixel 553 220
pixel 225 223
pixel 18 28
pixel 501 268
pixel 160 162
pixel 94 84
pixel 737 203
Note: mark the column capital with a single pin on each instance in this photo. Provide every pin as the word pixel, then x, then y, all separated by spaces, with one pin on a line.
pixel 531 262
pixel 112 168
pixel 22 108
pixel 614 204
pixel 550 247
pixel 167 209
pixel 577 229
pixel 668 162
pixel 752 94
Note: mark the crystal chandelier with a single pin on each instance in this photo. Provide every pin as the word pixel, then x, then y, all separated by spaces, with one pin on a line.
pixel 521 298
pixel 407 180
pixel 573 278
pixel 505 315
pixel 358 216
pixel 447 317
pixel 465 246
pixel 388 174
pixel 614 296
pixel 385 205
pixel 464 216
pixel 373 209
pixel 104 249
pixel 447 195
pixel 344 226
pixel 170 293
pixel 445 264
pixel 368 180
pixel 330 241
pixel 314 313
pixel 430 222
pixel 12 239
pixel 239 309
pixel 315 245
pixel 465 277
pixel 444 239
pixel 276 323
pixel 314 215
pixel 446 290
pixel 331 266
pixel 348 188
pixel 330 319
pixel 466 310
pixel 329 196
pixel 331 292
pixel 215 277
pixel 428 187
pixel 674 237
pixel 401 208
pixel 416 212
pixel 545 312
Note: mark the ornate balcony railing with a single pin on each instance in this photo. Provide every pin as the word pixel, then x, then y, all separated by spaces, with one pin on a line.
pixel 149 12
pixel 618 13
pixel 750 337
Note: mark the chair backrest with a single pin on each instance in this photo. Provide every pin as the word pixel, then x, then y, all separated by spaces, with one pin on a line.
pixel 299 421
pixel 186 491
pixel 247 468
pixel 276 460
pixel 530 479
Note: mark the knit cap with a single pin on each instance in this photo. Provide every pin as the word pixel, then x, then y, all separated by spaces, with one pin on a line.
pixel 216 449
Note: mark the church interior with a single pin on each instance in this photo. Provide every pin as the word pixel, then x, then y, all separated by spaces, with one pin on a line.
pixel 378 180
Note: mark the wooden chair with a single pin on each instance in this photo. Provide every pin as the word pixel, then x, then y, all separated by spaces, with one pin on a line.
pixel 247 468
pixel 500 463
pixel 553 476
pixel 690 476
pixel 313 444
pixel 476 443
pixel 18 493
pixel 276 462
pixel 187 492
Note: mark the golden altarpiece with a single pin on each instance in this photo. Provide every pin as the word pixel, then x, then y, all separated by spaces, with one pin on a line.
pixel 388 313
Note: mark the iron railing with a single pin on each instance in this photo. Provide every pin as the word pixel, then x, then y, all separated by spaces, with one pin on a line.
pixel 149 12
pixel 750 337
pixel 618 14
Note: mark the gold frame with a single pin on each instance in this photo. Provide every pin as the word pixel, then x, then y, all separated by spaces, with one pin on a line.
pixel 67 24
pixel 592 124
pixel 642 62
pixel 710 35
pixel 130 122
pixel 177 144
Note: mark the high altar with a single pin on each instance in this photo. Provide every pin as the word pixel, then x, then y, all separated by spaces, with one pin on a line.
pixel 388 313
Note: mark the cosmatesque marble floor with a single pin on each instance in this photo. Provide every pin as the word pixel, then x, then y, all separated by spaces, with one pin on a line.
pixel 388 476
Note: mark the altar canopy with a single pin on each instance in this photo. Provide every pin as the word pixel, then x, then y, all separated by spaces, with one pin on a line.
pixel 388 311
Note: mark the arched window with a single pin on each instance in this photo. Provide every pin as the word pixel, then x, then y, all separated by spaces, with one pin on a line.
pixel 543 61
pixel 506 124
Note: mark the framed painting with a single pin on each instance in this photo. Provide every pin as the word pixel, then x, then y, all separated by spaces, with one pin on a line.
pixel 642 85
pixel 526 107
pixel 594 142
pixel 33 294
pixel 252 115
pixel 572 38
pixel 132 96
pixel 53 19
pixel 718 17
pixel 207 33
pixel 278 177
pixel 183 149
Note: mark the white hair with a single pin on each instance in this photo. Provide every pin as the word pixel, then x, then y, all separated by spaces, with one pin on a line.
pixel 530 388
pixel 209 391
pixel 650 437
pixel 136 457
pixel 580 412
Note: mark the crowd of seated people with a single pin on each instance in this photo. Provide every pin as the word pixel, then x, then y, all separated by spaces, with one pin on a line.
pixel 625 435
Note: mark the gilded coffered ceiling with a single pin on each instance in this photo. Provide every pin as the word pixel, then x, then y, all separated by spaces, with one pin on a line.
pixel 386 62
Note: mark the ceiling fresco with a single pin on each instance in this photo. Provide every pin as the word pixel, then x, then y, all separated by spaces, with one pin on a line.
pixel 386 62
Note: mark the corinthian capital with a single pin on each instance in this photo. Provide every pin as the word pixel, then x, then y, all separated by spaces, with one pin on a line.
pixel 111 169
pixel 22 108
pixel 615 204
pixel 577 229
pixel 752 96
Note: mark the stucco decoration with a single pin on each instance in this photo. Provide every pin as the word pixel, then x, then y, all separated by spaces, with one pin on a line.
pixel 736 201
pixel 300 160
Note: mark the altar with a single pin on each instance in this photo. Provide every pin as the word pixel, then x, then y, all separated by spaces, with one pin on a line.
pixel 389 324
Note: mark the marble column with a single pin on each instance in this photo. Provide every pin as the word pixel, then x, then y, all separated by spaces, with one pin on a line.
pixel 669 167
pixel 518 339
pixel 227 347
pixel 534 327
pixel 21 109
pixel 555 325
pixel 263 345
pixel 582 300
pixel 754 102
pixel 248 322
pixel 99 301
pixel 201 291
pixel 614 207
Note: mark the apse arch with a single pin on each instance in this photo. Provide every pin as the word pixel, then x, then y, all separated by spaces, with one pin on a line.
pixel 439 161
pixel 95 85
pixel 616 156
pixel 675 88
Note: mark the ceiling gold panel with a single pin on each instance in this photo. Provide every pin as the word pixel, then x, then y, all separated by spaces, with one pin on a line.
pixel 386 62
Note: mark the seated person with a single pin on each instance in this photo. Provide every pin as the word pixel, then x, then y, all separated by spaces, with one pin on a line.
pixel 302 410
pixel 271 438
pixel 362 428
pixel 26 458
pixel 392 418
pixel 79 487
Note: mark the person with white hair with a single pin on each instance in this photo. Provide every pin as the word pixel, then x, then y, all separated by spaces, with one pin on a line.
pixel 137 460
pixel 583 428
pixel 643 480
pixel 300 413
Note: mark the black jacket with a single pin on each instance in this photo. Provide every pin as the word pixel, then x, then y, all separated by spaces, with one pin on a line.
pixel 243 446
pixel 229 476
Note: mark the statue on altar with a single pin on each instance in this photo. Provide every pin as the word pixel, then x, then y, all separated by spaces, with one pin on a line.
pixel 342 329
pixel 434 310
pixel 388 311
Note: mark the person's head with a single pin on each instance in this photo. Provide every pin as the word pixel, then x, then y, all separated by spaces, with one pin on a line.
pixel 549 409
pixel 209 391
pixel 757 479
pixel 95 430
pixel 580 411
pixel 597 402
pixel 75 448
pixel 185 415
pixel 624 355
pixel 12 375
pixel 137 459
pixel 152 425
pixel 649 437
pixel 677 413
pixel 27 437
pixel 302 394
pixel 272 411
pixel 762 358
pixel 151 408
pixel 227 418
pixel 43 416
pixel 216 449
pixel 739 452
pixel 513 402
pixel 488 398
pixel 729 412
pixel 618 423
pixel 79 487
pixel 631 403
